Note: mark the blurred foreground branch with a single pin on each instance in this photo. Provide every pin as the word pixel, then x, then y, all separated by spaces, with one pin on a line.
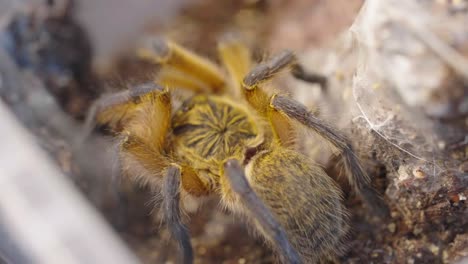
pixel 43 218
pixel 43 212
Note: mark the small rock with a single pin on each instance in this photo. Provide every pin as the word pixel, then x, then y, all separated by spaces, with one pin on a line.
pixel 419 173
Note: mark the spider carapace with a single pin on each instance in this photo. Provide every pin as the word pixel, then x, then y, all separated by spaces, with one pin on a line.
pixel 233 139
pixel 207 130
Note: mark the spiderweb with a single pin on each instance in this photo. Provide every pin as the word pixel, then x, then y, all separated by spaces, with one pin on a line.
pixel 387 74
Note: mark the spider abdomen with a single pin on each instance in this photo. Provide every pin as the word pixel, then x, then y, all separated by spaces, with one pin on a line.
pixel 304 200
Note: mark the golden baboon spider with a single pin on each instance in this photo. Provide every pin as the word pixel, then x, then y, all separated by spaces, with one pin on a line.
pixel 233 139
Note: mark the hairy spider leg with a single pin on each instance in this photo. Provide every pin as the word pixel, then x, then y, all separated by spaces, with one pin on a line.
pixel 237 183
pixel 171 208
pixel 117 108
pixel 181 67
pixel 236 58
pixel 142 117
pixel 357 177
pixel 289 109
pixel 283 129
pixel 300 73
pixel 315 220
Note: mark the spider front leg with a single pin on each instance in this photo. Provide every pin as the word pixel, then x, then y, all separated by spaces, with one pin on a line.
pixel 239 185
pixel 136 154
pixel 280 110
pixel 357 177
pixel 115 109
pixel 260 100
pixel 172 212
pixel 180 67
pixel 284 60
pixel 236 58
pixel 141 117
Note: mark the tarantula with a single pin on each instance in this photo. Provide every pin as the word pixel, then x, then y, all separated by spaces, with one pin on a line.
pixel 233 139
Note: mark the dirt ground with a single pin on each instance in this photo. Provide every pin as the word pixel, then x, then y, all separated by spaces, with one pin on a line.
pixel 427 225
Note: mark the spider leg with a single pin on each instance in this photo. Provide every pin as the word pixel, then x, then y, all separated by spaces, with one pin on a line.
pixel 356 176
pixel 113 109
pixel 239 185
pixel 260 100
pixel 300 73
pixel 279 109
pixel 172 212
pixel 236 57
pixel 267 69
pixel 280 62
pixel 132 115
pixel 180 67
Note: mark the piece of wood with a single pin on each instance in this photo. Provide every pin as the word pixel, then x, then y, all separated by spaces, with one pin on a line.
pixel 48 219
